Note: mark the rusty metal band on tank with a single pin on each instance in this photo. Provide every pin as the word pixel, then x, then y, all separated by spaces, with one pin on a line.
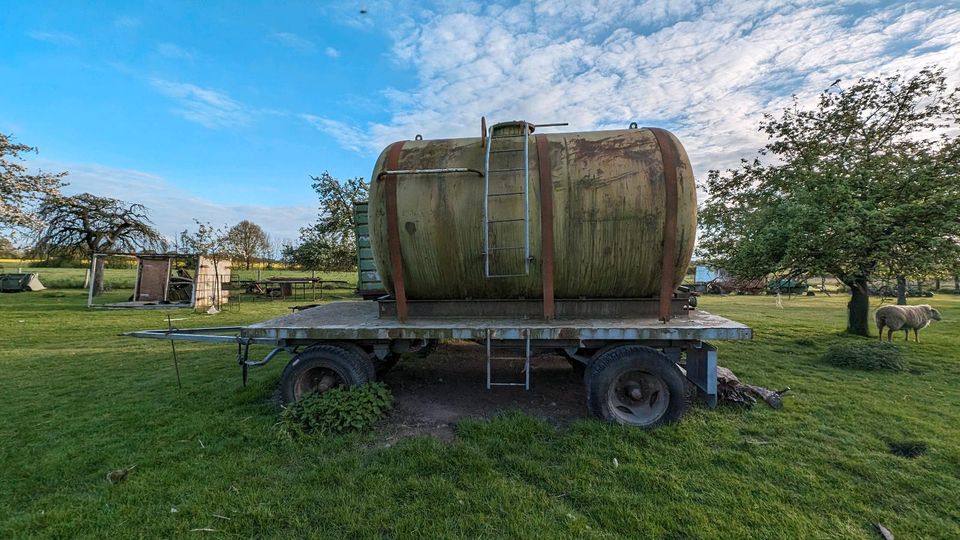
pixel 619 208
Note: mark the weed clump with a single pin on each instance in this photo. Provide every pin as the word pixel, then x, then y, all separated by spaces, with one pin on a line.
pixel 338 410
pixel 865 355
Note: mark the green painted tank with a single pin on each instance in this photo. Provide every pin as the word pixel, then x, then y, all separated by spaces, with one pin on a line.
pixel 609 212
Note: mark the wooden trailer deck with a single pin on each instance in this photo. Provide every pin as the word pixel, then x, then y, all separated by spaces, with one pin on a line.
pixel 359 320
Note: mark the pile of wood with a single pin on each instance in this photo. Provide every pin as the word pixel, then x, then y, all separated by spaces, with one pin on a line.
pixel 732 390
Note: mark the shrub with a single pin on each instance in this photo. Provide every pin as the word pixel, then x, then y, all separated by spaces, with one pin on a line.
pixel 865 355
pixel 338 410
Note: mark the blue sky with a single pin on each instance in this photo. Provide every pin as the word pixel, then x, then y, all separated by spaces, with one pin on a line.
pixel 222 110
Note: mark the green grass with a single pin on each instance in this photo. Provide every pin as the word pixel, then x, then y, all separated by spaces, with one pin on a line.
pixel 78 402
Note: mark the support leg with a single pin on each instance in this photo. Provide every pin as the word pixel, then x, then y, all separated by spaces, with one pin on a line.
pixel 702 371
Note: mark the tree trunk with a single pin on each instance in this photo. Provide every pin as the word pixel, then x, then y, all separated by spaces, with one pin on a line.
pixel 901 290
pixel 956 284
pixel 936 283
pixel 98 277
pixel 858 308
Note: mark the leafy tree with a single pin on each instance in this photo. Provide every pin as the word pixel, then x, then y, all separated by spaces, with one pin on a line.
pixel 867 179
pixel 21 193
pixel 330 244
pixel 85 224
pixel 211 242
pixel 247 241
pixel 7 249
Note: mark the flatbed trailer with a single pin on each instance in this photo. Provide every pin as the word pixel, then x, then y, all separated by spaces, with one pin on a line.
pixel 636 370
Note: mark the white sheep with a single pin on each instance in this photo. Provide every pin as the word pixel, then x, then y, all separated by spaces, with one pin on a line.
pixel 905 318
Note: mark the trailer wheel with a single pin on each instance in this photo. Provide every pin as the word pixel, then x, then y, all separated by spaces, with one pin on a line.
pixel 369 361
pixel 636 386
pixel 319 369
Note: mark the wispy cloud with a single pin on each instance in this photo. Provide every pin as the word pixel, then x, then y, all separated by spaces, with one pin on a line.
pixel 126 22
pixel 331 52
pixel 706 70
pixel 293 41
pixel 57 38
pixel 204 106
pixel 174 52
pixel 172 208
pixel 347 136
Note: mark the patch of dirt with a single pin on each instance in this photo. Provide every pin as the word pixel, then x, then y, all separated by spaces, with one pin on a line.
pixel 432 394
pixel 907 449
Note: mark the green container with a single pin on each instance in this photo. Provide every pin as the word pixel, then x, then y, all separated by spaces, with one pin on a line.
pixel 368 280
pixel 609 212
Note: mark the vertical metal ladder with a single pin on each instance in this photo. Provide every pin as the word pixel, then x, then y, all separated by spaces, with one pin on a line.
pixel 500 349
pixel 504 171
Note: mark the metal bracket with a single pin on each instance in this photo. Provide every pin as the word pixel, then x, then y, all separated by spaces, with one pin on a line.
pixel 701 370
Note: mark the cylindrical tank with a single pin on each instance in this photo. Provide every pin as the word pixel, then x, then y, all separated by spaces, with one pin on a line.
pixel 609 211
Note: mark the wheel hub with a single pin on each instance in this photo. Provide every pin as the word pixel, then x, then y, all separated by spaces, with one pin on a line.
pixel 638 398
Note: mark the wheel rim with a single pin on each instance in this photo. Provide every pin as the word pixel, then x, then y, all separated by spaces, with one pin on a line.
pixel 318 379
pixel 638 398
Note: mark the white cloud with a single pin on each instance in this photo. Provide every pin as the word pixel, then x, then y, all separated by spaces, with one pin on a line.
pixel 174 52
pixel 204 106
pixel 708 71
pixel 347 136
pixel 293 41
pixel 172 209
pixel 57 38
pixel 331 52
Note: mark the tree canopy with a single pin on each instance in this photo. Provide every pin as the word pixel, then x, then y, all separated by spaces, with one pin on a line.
pixel 867 179
pixel 247 241
pixel 20 192
pixel 330 244
pixel 84 224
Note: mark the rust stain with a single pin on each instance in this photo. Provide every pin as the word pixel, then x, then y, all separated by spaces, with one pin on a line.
pixel 593 149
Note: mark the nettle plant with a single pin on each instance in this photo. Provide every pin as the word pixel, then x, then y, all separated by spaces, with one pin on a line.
pixel 338 410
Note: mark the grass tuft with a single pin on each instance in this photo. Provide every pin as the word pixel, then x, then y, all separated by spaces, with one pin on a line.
pixel 865 355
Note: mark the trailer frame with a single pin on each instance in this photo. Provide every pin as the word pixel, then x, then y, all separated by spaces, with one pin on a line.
pixel 357 329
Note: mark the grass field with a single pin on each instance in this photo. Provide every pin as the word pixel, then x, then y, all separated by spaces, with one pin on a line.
pixel 78 402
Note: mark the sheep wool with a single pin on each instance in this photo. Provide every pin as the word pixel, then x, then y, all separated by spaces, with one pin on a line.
pixel 905 318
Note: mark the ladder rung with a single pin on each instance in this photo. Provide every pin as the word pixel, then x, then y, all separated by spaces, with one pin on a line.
pixel 508 384
pixel 515 151
pixel 504 220
pixel 505 194
pixel 508 358
pixel 492 137
pixel 507 275
pixel 508 170
pixel 510 247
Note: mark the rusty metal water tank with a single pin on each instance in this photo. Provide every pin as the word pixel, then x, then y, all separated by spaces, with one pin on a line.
pixel 611 203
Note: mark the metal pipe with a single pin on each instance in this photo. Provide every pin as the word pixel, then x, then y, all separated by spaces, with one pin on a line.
pixel 429 171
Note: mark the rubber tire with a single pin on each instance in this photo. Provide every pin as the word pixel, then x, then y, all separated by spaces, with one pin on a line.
pixel 343 361
pixel 369 362
pixel 606 369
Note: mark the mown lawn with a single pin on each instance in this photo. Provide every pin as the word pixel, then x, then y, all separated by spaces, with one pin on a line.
pixel 78 402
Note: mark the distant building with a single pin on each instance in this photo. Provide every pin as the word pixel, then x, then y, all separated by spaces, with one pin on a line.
pixel 705 274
